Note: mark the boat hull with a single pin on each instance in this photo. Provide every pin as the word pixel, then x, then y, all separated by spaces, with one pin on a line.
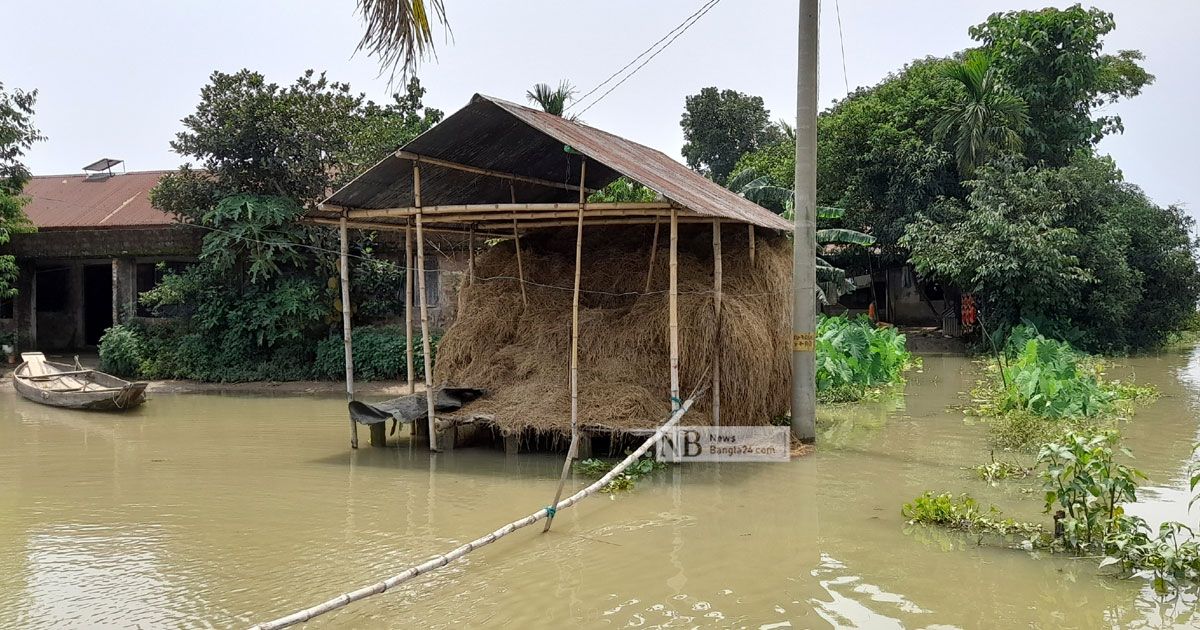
pixel 117 394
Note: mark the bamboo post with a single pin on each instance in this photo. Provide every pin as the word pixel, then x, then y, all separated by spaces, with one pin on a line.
pixel 438 562
pixel 751 227
pixel 512 192
pixel 716 363
pixel 471 255
pixel 571 450
pixel 653 252
pixel 520 267
pixel 424 308
pixel 346 343
pixel 673 309
pixel 408 316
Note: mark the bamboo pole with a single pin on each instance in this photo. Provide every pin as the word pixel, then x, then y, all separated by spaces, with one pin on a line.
pixel 471 256
pixel 653 253
pixel 346 343
pixel 512 191
pixel 424 310
pixel 438 562
pixel 751 228
pixel 673 310
pixel 408 316
pixel 392 227
pixel 572 449
pixel 407 155
pixel 716 363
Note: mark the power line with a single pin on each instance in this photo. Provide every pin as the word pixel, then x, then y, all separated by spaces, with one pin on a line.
pixel 687 25
pixel 643 54
pixel 837 7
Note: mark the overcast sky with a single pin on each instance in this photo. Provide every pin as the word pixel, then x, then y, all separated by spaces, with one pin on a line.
pixel 115 77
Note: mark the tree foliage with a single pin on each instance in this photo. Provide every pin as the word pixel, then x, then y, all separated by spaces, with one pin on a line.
pixel 552 100
pixel 17 134
pixel 720 126
pixel 1052 59
pixel 986 119
pixel 260 298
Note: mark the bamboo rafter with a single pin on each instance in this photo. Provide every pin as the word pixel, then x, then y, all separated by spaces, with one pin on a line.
pixel 422 159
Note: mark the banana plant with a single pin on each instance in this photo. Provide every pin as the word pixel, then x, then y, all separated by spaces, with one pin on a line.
pixel 759 189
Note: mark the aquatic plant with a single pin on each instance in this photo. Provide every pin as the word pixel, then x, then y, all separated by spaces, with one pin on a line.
pixel 854 357
pixel 998 470
pixel 593 467
pixel 1044 388
pixel 963 513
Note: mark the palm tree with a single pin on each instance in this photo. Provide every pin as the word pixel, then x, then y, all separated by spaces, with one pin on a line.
pixel 400 32
pixel 552 100
pixel 760 190
pixel 986 118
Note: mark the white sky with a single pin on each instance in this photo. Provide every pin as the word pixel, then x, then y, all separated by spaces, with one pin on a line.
pixel 115 77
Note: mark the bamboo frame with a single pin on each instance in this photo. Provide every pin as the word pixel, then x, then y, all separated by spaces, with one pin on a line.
pixel 573 448
pixel 716 364
pixel 471 256
pixel 438 562
pixel 392 227
pixel 502 211
pixel 752 242
pixel 653 253
pixel 673 308
pixel 408 316
pixel 344 274
pixel 424 310
pixel 407 155
pixel 512 191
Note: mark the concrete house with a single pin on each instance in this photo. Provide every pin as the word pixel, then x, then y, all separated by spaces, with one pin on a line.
pixel 98 245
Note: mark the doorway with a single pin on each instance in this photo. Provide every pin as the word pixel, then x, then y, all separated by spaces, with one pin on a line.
pixel 97 302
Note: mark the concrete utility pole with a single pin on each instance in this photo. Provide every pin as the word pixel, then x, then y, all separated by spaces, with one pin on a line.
pixel 804 246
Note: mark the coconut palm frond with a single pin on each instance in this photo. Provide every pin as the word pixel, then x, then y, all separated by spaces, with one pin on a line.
pixel 985 118
pixel 400 32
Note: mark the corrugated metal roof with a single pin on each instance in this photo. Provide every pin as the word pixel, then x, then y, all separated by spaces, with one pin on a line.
pixel 497 135
pixel 70 202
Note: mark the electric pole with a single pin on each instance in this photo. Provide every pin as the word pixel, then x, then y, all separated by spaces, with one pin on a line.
pixel 804 244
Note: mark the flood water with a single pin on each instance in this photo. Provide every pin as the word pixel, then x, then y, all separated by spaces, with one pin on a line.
pixel 220 511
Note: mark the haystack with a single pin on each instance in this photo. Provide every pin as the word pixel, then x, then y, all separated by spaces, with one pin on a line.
pixel 521 353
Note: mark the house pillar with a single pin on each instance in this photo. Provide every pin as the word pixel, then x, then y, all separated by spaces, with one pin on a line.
pixel 124 290
pixel 75 304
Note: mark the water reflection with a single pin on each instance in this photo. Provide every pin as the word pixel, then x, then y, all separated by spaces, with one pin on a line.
pixel 220 511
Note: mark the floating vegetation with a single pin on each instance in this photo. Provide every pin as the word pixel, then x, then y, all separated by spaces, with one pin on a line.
pixel 626 480
pixel 963 513
pixel 1000 470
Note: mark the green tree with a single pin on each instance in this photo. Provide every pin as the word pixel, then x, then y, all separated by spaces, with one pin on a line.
pixel 985 119
pixel 552 100
pixel 1052 59
pixel 17 134
pixel 719 127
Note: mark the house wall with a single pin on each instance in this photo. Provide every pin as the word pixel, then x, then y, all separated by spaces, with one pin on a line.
pixel 905 304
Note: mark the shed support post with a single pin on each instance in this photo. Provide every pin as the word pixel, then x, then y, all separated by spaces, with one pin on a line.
pixel 346 343
pixel 572 450
pixel 653 253
pixel 751 229
pixel 673 310
pixel 408 315
pixel 512 191
pixel 716 364
pixel 429 395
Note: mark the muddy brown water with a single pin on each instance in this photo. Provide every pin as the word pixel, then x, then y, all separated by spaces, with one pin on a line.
pixel 218 511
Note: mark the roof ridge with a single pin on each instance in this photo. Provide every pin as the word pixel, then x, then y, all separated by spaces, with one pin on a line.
pixel 81 174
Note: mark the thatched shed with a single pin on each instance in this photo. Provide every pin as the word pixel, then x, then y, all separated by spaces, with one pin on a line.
pixel 573 328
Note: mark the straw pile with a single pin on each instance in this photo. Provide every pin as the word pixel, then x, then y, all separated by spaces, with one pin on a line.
pixel 521 354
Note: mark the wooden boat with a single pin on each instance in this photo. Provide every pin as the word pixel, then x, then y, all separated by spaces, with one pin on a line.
pixel 74 387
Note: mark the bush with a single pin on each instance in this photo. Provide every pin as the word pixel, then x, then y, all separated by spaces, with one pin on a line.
pixel 122 351
pixel 378 354
pixel 854 356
